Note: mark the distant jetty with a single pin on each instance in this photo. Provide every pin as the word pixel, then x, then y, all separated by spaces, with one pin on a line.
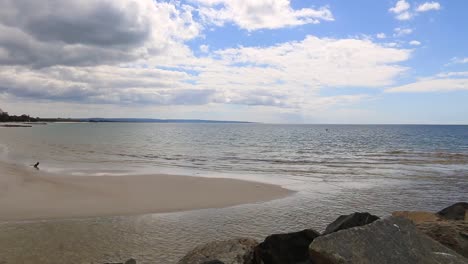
pixel 14 125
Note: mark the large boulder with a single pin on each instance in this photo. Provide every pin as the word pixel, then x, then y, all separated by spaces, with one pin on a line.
pixel 456 211
pixel 386 241
pixel 452 234
pixel 349 221
pixel 290 248
pixel 233 251
pixel 131 261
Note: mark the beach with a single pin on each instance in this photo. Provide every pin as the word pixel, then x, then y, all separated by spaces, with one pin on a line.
pixel 28 194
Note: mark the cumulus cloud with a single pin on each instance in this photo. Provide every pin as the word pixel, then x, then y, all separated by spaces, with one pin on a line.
pixel 381 35
pixel 428 6
pixel 101 84
pixel 457 60
pixel 286 75
pixel 89 32
pixel 452 74
pixel 399 32
pixel 204 48
pixel 260 14
pixel 437 85
pixel 443 82
pixel 415 43
pixel 400 7
pixel 401 10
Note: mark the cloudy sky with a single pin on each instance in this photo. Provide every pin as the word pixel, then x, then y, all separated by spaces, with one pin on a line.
pixel 298 61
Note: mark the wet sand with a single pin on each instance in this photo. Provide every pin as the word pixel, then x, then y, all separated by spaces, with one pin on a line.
pixel 29 194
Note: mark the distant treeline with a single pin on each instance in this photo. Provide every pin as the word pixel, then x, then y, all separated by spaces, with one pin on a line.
pixel 5 117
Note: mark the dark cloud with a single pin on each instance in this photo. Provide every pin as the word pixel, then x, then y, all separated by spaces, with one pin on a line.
pixel 72 93
pixel 103 25
pixel 102 84
pixel 20 49
pixel 51 32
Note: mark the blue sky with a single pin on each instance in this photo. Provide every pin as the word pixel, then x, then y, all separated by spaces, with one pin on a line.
pixel 277 61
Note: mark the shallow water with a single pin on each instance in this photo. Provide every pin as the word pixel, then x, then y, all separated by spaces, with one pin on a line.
pixel 345 169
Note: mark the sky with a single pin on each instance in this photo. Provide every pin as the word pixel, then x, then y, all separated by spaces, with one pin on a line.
pixel 273 61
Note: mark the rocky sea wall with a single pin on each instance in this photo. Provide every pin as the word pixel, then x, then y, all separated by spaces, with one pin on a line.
pixel 359 238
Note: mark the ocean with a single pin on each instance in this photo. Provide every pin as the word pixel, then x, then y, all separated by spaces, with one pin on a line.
pixel 335 169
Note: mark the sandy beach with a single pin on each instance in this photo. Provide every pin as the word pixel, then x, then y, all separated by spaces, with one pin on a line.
pixel 27 194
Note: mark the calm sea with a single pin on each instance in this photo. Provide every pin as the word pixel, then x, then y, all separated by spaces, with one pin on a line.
pixel 336 169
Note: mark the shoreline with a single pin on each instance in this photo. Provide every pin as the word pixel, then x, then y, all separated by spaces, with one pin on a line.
pixel 28 194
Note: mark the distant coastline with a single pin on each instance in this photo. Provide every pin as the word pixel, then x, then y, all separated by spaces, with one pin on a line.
pixel 6 118
pixel 151 120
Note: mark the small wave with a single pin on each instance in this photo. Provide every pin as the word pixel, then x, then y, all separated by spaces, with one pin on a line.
pixel 397 152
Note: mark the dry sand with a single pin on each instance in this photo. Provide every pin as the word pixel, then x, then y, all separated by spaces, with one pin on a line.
pixel 27 194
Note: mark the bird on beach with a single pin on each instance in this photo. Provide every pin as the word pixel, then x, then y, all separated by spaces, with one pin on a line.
pixel 36 165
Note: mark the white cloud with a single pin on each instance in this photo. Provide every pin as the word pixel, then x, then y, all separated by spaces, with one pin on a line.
pixel 443 82
pixel 415 43
pixel 400 7
pixel 428 6
pixel 399 32
pixel 457 60
pixel 381 35
pixel 392 44
pixel 401 10
pixel 287 75
pixel 260 14
pixel 204 48
pixel 437 85
pixel 292 73
pixel 404 16
pixel 452 74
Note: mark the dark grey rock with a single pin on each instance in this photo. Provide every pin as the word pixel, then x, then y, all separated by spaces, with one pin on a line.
pixel 285 248
pixel 387 241
pixel 233 251
pixel 454 212
pixel 349 221
pixel 213 262
pixel 131 261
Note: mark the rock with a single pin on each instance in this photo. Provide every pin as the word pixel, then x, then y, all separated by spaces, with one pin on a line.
pixel 386 241
pixel 285 248
pixel 131 261
pixel 233 251
pixel 417 216
pixel 452 234
pixel 213 262
pixel 456 211
pixel 348 221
